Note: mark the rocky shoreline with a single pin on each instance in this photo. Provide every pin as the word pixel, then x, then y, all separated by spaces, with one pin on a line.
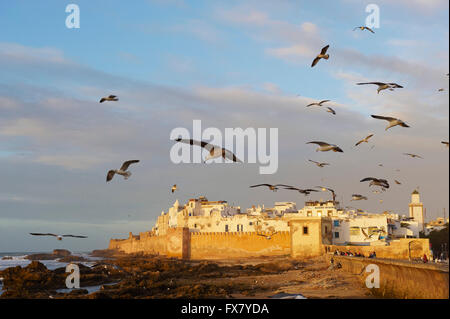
pixel 137 276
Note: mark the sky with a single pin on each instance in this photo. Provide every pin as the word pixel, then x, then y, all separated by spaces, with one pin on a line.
pixel 230 64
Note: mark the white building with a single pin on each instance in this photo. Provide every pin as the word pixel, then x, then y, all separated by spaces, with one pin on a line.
pixel 348 227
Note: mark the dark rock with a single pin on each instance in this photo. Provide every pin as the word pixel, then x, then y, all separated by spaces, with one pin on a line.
pixel 61 252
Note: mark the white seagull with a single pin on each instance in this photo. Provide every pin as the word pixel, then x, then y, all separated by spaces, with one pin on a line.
pixel 109 98
pixel 268 237
pixel 319 164
pixel 214 150
pixel 59 237
pixel 376 182
pixel 317 103
pixel 364 140
pixel 383 86
pixel 364 28
pixel 392 121
pixel 305 192
pixel 323 55
pixel 330 110
pixel 273 188
pixel 325 147
pixel 356 197
pixel 413 155
pixel 122 171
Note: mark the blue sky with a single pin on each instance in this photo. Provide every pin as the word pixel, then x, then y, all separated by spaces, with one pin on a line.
pixel 228 63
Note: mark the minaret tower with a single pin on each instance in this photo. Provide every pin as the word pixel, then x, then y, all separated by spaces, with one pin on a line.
pixel 416 210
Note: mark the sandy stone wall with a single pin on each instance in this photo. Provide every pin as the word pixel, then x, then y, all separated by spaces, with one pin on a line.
pixel 170 244
pixel 238 244
pixel 181 243
pixel 400 279
pixel 398 249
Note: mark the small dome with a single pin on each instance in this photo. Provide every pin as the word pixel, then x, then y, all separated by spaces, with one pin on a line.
pixel 415 192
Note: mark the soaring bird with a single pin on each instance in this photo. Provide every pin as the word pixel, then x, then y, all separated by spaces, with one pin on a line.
pixel 376 182
pixel 392 121
pixel 364 140
pixel 268 237
pixel 109 98
pixel 59 237
pixel 445 143
pixel 383 86
pixel 305 192
pixel 397 182
pixel 214 150
pixel 441 90
pixel 364 28
pixel 324 189
pixel 413 155
pixel 317 103
pixel 356 197
pixel 330 110
pixel 174 188
pixel 319 164
pixel 122 171
pixel 325 147
pixel 322 55
pixel 273 188
pixel 367 237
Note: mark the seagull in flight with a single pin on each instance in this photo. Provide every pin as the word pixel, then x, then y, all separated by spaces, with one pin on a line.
pixel 392 121
pixel 305 192
pixel 174 188
pixel 59 237
pixel 214 150
pixel 324 189
pixel 356 197
pixel 413 155
pixel 376 182
pixel 122 171
pixel 325 147
pixel 273 188
pixel 109 98
pixel 330 110
pixel 445 143
pixel 323 55
pixel 383 86
pixel 364 28
pixel 319 164
pixel 397 182
pixel 364 140
pixel 268 237
pixel 318 103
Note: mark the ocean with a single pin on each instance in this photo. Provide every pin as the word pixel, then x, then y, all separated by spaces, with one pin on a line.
pixel 18 259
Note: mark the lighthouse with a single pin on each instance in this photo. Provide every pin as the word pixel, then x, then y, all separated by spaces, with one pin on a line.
pixel 416 210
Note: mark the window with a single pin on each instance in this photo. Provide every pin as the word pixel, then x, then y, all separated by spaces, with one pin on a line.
pixel 195 225
pixel 226 228
pixel 250 223
pixel 305 230
pixel 330 213
pixel 238 227
pixel 319 213
pixel 309 213
pixel 336 234
pixel 326 230
pixel 242 227
pixel 336 223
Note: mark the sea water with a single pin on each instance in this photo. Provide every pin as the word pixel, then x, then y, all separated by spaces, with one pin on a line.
pixel 18 259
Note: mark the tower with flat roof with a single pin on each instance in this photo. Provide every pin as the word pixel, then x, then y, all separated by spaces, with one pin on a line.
pixel 416 210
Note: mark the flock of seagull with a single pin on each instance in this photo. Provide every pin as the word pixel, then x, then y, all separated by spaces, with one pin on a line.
pixel 326 147
pixel 215 151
